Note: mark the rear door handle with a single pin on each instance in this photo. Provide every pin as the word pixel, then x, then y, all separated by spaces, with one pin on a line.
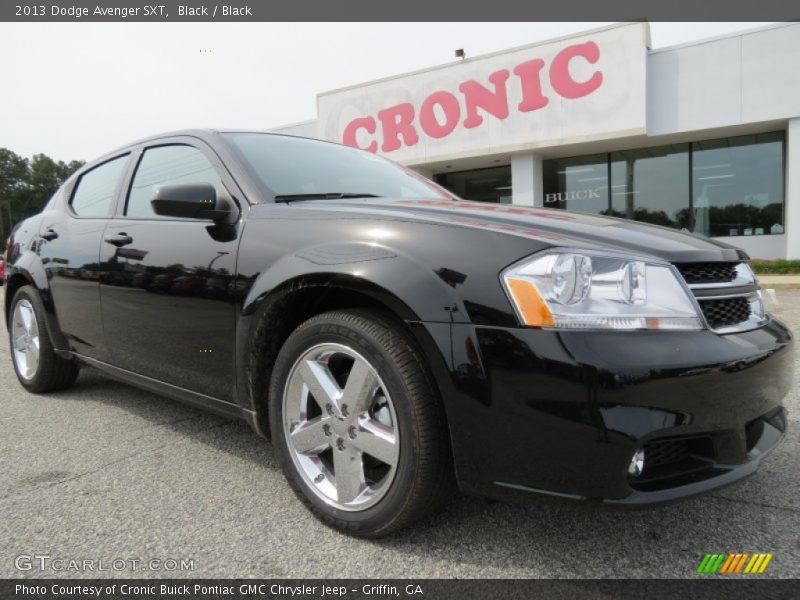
pixel 49 234
pixel 119 239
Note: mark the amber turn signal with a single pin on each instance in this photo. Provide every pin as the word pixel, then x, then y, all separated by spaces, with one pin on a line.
pixel 535 312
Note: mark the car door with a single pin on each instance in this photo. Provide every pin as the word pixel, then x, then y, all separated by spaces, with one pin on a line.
pixel 167 311
pixel 69 247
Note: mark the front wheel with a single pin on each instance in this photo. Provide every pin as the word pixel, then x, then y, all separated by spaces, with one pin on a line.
pixel 357 423
pixel 38 367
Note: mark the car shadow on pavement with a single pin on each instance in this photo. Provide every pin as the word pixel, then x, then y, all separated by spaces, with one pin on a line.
pixel 153 411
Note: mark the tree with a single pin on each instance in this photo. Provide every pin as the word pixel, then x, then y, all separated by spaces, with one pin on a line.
pixel 13 182
pixel 13 173
pixel 44 177
pixel 26 185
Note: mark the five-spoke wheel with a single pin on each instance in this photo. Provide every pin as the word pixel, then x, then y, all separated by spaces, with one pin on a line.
pixel 341 426
pixel 25 339
pixel 358 427
pixel 39 368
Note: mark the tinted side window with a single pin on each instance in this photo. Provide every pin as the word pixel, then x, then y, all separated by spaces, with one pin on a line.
pixel 167 165
pixel 95 191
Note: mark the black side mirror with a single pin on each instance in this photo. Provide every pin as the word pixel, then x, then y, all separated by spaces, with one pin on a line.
pixel 192 201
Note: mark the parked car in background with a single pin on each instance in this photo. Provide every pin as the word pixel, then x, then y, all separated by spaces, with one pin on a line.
pixel 392 339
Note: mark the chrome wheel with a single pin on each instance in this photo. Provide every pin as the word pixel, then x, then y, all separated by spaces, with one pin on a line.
pixel 340 427
pixel 25 339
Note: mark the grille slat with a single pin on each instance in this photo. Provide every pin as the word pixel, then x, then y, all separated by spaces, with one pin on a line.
pixel 664 452
pixel 707 272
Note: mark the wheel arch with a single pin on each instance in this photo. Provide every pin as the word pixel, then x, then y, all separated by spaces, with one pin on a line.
pixel 27 269
pixel 13 283
pixel 270 318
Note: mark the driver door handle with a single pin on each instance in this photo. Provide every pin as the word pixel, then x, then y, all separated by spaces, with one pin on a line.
pixel 119 239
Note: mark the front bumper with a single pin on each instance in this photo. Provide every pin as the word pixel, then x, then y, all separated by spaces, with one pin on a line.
pixel 561 413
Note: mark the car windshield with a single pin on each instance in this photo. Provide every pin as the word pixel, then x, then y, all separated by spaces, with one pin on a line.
pixel 294 168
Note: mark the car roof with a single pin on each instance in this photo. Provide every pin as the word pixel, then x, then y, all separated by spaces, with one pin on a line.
pixel 203 134
pixel 206 135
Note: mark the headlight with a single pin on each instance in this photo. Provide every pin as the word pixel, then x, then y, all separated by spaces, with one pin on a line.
pixel 575 290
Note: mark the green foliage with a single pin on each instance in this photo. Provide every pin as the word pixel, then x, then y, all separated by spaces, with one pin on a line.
pixel 26 185
pixel 776 267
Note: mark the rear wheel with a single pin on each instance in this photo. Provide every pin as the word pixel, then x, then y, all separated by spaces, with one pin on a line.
pixel 358 426
pixel 38 367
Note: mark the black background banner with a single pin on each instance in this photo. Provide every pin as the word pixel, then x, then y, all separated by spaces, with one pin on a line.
pixel 402 10
pixel 701 588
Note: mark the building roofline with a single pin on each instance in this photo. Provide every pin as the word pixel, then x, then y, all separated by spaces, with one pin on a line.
pixel 724 36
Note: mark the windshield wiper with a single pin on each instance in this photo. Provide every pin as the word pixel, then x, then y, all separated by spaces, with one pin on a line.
pixel 323 196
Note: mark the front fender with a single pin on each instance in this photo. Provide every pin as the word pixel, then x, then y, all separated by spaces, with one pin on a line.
pixel 412 291
pixel 414 294
pixel 425 297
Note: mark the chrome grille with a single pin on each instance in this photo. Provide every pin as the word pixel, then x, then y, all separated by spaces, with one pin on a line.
pixel 725 312
pixel 727 294
pixel 708 272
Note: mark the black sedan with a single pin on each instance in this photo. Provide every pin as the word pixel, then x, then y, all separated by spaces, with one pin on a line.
pixel 394 340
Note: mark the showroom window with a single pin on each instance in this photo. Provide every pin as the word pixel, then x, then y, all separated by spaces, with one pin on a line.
pixel 738 185
pixel 577 183
pixel 652 185
pixel 485 185
pixel 721 188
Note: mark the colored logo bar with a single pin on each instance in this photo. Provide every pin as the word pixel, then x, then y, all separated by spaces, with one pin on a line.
pixel 720 563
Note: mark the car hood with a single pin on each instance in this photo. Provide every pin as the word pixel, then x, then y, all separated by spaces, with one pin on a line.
pixel 553 227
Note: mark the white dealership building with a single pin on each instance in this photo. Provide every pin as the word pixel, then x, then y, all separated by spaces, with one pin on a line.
pixel 703 136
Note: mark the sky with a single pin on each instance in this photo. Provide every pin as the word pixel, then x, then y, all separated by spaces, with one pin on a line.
pixel 78 90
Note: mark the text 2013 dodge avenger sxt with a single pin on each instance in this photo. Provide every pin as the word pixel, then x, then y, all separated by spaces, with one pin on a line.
pixel 394 339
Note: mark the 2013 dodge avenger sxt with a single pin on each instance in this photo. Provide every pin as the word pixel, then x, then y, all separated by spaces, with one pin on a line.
pixel 393 339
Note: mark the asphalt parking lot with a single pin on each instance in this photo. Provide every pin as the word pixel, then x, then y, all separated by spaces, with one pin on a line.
pixel 106 471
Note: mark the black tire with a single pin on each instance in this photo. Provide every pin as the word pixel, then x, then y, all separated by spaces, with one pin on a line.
pixel 423 479
pixel 53 373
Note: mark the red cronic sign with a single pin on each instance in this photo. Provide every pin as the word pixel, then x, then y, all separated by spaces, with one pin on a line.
pixel 441 112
